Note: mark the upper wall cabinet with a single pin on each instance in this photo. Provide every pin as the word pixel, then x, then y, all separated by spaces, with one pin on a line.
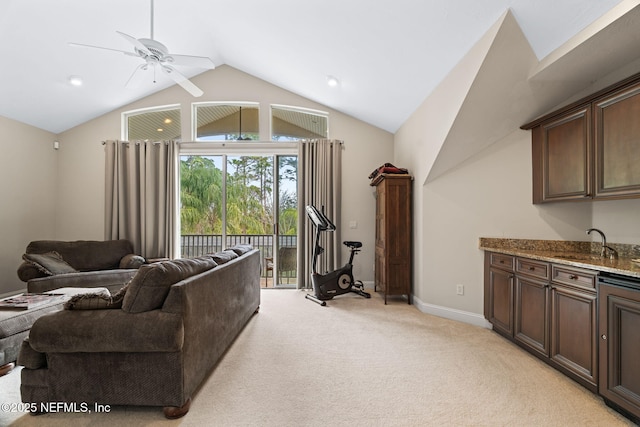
pixel 589 149
pixel 562 157
pixel 617 143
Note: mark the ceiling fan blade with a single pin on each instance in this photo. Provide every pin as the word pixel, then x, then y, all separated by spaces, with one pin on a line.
pixel 130 83
pixel 103 48
pixel 191 61
pixel 135 42
pixel 182 81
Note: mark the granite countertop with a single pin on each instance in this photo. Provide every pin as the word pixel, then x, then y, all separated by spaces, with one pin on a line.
pixel 577 254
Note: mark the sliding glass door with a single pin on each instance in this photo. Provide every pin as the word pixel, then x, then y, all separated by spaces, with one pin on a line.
pixel 286 220
pixel 229 199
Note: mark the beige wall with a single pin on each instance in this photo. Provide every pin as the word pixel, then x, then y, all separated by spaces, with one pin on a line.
pixel 60 194
pixel 29 172
pixel 489 193
pixel 81 174
pixel 490 196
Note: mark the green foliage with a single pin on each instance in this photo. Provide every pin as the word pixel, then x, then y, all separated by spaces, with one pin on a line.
pixel 288 221
pixel 200 196
pixel 249 196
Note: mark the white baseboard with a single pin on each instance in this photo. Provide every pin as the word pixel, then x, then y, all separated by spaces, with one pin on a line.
pixel 445 312
pixel 452 313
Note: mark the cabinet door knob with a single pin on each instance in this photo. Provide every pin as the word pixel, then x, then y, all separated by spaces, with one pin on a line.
pixel 532 268
pixel 573 277
pixel 603 336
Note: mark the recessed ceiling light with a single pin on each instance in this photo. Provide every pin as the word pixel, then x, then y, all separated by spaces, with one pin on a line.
pixel 75 80
pixel 167 121
pixel 332 81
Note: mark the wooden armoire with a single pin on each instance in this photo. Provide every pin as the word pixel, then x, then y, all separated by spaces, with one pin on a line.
pixel 393 271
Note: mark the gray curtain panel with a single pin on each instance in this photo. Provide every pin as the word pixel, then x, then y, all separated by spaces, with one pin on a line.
pixel 319 184
pixel 141 195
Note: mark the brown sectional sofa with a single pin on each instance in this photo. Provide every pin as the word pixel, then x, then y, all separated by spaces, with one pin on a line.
pixel 154 347
pixel 54 264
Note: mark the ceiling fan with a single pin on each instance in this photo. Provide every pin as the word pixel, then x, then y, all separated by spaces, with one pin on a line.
pixel 157 56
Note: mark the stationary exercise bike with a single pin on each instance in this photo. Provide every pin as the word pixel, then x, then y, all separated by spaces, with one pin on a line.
pixel 337 282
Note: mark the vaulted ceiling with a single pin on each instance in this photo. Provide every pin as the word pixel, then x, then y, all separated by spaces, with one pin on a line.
pixel 388 55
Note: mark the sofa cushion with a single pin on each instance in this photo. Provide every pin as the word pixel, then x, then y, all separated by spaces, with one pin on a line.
pixel 50 263
pixel 85 255
pixel 223 257
pixel 150 286
pixel 94 331
pixel 241 248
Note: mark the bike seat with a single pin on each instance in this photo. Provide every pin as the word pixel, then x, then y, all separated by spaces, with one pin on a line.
pixel 353 245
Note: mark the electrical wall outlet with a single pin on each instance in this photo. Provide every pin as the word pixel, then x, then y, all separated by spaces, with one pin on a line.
pixel 460 289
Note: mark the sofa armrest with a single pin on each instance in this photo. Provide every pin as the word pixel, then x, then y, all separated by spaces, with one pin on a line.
pixel 110 330
pixel 132 261
pixel 111 279
pixel 27 271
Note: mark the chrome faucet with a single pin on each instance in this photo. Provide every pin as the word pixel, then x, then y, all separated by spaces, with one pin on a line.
pixel 613 254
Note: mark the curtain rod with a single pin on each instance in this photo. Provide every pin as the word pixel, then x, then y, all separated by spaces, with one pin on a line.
pixel 330 141
pixel 138 142
pixel 226 142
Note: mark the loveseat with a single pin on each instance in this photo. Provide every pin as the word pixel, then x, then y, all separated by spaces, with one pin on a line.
pixel 54 264
pixel 173 323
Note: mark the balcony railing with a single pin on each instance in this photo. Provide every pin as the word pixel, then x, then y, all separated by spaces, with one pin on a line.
pixel 194 245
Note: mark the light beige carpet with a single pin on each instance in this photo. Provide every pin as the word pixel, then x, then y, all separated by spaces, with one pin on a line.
pixel 358 362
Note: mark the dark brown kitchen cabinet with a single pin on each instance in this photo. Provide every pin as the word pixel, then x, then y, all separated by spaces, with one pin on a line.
pixel 589 150
pixel 574 347
pixel 617 144
pixel 561 150
pixel 547 309
pixel 532 314
pixel 499 291
pixel 619 331
pixel 393 271
pixel 531 327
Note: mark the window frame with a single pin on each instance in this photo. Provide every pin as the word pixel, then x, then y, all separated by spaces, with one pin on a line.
pixel 124 120
pixel 194 116
pixel 296 109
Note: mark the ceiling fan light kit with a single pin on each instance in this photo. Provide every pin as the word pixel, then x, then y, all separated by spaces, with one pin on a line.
pixel 156 55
